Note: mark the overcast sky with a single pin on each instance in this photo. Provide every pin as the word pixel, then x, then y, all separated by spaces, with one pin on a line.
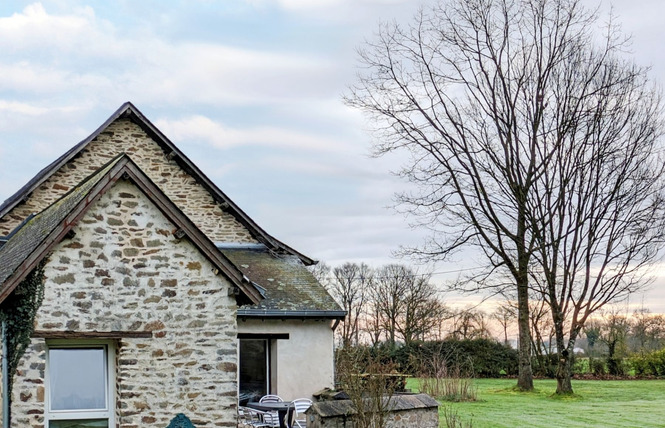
pixel 249 90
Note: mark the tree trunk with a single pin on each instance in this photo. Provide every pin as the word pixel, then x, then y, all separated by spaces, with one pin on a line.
pixel 564 350
pixel 525 376
pixel 564 371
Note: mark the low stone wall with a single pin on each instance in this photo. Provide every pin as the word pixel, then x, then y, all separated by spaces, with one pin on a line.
pixel 406 410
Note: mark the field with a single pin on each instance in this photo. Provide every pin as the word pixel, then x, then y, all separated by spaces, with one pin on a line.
pixel 629 403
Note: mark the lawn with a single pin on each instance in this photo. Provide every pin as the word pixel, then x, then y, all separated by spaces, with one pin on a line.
pixel 628 403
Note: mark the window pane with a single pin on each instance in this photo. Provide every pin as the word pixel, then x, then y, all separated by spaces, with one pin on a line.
pixel 80 424
pixel 77 379
pixel 253 367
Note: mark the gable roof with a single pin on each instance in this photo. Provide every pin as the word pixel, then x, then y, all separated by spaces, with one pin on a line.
pixel 37 236
pixel 290 290
pixel 129 111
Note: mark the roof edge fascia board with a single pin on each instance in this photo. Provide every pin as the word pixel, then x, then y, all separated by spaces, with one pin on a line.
pixel 240 246
pixel 284 314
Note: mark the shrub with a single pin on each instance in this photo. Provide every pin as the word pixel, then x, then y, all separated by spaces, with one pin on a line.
pixel 452 419
pixel 616 366
pixel 581 366
pixel 449 385
pixel 544 365
pixel 649 364
pixel 597 367
pixel 363 374
pixel 482 357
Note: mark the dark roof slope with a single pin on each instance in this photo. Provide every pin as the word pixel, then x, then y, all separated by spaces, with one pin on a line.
pixel 37 236
pixel 129 111
pixel 291 291
pixel 24 242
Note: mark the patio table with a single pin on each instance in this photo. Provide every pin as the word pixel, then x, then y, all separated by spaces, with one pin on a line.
pixel 284 410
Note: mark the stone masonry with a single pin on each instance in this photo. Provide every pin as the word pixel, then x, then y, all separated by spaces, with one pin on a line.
pixel 125 271
pixel 406 411
pixel 124 136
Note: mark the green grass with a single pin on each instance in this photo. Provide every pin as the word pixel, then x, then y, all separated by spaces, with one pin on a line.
pixel 628 403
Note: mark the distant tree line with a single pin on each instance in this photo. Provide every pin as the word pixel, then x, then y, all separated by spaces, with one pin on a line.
pixel 616 342
pixel 620 344
pixel 399 317
pixel 397 305
pixel 397 314
pixel 390 304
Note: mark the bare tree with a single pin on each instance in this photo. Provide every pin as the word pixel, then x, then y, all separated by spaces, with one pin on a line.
pixel 468 324
pixel 391 284
pixel 598 208
pixel 455 90
pixel 505 314
pixel 542 335
pixel 404 303
pixel 349 286
pixel 530 139
pixel 647 330
pixel 321 271
pixel 614 329
pixel 423 310
pixel 373 319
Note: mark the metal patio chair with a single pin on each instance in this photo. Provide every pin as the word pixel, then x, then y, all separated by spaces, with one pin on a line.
pixel 271 398
pixel 258 419
pixel 300 406
pixel 244 417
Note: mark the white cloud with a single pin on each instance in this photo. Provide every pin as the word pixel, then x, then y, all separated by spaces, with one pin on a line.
pixel 28 77
pixel 214 74
pixel 309 4
pixel 340 8
pixel 202 128
pixel 35 29
pixel 36 109
pixel 81 54
pixel 22 108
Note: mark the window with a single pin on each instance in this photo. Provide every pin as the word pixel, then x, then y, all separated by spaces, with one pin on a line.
pixel 254 367
pixel 257 371
pixel 80 384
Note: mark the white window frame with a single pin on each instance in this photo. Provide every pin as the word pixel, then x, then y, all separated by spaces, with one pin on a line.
pixel 110 379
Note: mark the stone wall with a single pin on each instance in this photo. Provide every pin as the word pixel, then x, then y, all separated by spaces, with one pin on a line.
pixel 124 136
pixel 125 271
pixel 407 411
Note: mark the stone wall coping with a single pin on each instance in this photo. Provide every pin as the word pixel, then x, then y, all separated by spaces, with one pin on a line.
pixel 398 402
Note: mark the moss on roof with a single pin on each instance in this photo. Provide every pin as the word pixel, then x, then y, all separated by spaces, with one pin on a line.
pixel 289 286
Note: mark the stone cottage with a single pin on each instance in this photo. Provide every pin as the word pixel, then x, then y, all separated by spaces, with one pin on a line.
pixel 161 296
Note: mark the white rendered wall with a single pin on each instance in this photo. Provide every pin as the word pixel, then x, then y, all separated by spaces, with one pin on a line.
pixel 304 362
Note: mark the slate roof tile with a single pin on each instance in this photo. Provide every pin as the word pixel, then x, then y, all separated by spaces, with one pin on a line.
pixel 289 286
